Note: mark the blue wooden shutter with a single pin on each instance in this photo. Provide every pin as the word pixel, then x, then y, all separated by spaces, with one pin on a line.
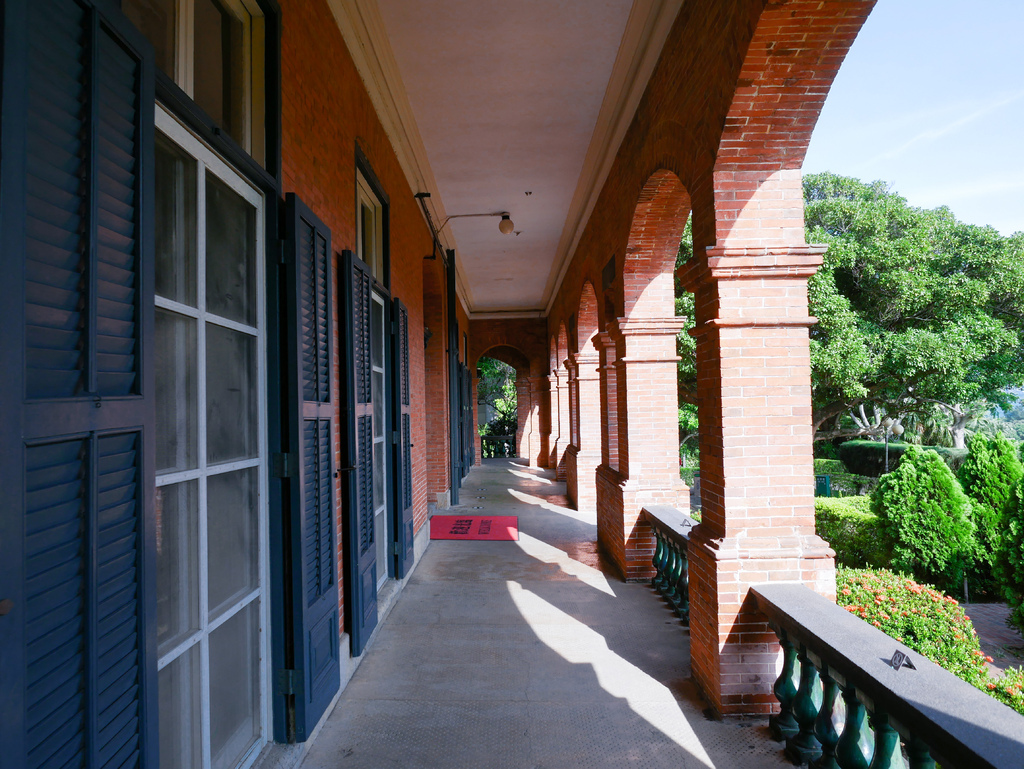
pixel 77 538
pixel 355 299
pixel 315 622
pixel 402 458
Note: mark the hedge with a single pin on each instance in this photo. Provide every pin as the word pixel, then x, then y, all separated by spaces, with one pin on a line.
pixel 843 482
pixel 859 537
pixel 868 457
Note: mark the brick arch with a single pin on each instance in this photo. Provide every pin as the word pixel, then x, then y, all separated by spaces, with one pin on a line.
pixel 788 68
pixel 658 223
pixel 587 320
pixel 509 354
pixel 553 357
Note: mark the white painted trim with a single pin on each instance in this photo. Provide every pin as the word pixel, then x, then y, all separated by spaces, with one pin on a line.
pixel 507 315
pixel 647 28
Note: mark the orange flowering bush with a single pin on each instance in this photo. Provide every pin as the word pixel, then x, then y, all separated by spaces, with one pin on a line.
pixel 918 616
pixel 928 621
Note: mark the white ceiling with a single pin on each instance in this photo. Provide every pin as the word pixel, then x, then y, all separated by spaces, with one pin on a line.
pixel 506 97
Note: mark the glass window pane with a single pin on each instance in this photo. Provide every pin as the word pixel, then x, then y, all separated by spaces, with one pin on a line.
pixel 378 404
pixel 232 514
pixel 175 223
pixel 378 474
pixel 180 712
pixel 366 235
pixel 377 334
pixel 230 395
pixel 220 66
pixel 177 563
pixel 234 687
pixel 230 253
pixel 176 381
pixel 156 20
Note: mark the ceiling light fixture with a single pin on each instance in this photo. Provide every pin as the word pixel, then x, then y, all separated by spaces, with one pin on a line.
pixel 505 226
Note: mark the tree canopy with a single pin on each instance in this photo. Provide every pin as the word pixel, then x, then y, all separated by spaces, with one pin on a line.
pixel 916 309
pixel 919 315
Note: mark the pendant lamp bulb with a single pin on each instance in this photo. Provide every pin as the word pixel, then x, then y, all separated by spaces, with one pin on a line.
pixel 505 226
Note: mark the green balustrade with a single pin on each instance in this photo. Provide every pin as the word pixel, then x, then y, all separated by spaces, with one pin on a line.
pixel 887 743
pixel 782 725
pixel 920 756
pixel 824 726
pixel 803 747
pixel 849 751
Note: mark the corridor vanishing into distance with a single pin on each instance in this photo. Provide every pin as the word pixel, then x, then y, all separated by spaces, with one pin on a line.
pixel 529 655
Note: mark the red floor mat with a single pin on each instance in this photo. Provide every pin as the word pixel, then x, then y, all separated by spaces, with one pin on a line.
pixel 490 527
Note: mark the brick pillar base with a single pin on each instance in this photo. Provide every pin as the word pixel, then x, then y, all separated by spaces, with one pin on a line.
pixel 588 428
pixel 571 475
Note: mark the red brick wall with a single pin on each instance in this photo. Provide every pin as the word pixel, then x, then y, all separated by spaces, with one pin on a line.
pixel 438 464
pixel 325 112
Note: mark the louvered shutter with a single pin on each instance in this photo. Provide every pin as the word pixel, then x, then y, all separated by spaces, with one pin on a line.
pixel 402 457
pixel 313 568
pixel 77 539
pixel 355 298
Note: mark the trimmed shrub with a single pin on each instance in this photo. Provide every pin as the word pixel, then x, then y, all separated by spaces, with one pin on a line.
pixel 859 537
pixel 928 519
pixel 919 616
pixel 842 481
pixel 868 457
pixel 1009 561
pixel 988 477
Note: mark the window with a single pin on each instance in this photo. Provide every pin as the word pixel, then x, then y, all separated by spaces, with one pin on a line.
pixel 370 229
pixel 214 51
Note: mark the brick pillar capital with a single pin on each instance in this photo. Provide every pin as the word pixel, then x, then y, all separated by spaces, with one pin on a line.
pixel 587 363
pixel 721 263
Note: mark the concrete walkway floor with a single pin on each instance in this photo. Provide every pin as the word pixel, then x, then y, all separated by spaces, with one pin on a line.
pixel 529 655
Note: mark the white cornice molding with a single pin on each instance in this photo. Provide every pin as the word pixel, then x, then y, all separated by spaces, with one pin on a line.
pixel 508 315
pixel 647 28
pixel 366 37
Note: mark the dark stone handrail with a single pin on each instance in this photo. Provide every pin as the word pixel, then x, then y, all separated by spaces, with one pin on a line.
pixel 932 710
pixel 671 529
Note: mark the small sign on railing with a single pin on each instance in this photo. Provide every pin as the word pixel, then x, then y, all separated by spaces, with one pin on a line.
pixel 901 660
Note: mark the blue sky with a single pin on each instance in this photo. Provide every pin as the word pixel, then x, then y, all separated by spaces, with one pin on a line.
pixel 931 99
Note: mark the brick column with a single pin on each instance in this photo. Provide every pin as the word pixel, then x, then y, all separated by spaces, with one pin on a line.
pixel 609 402
pixel 648 442
pixel 522 416
pixel 561 384
pixel 532 433
pixel 757 476
pixel 477 441
pixel 572 448
pixel 544 405
pixel 554 423
pixel 588 429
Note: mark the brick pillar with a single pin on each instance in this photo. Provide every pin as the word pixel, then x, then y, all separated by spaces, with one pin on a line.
pixel 522 416
pixel 544 402
pixel 609 402
pixel 588 453
pixel 554 424
pixel 564 430
pixel 477 441
pixel 532 437
pixel 572 449
pixel 648 442
pixel 757 476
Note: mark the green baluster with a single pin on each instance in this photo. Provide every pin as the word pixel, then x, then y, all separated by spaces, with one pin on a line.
pixel 659 554
pixel 683 587
pixel 887 744
pixel 849 753
pixel 824 728
pixel 782 725
pixel 673 576
pixel 804 747
pixel 920 756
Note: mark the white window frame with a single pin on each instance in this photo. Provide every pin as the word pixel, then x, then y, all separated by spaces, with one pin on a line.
pixel 206 159
pixel 366 197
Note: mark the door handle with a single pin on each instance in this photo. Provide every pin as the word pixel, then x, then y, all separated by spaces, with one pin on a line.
pixel 6 606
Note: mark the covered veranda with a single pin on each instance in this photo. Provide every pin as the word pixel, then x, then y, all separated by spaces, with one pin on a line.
pixel 529 654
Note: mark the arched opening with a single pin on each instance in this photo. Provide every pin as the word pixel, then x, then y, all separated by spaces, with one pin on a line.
pixel 503 401
pixel 584 454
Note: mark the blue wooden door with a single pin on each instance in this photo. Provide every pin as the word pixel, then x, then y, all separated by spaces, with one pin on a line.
pixel 313 583
pixel 77 536
pixel 402 443
pixel 361 567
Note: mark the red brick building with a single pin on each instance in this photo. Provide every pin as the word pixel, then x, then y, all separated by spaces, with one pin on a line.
pixel 251 263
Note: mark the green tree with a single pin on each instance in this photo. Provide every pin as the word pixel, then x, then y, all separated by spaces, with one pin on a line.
pixel 497 389
pixel 916 310
pixel 988 476
pixel 928 519
pixel 1009 565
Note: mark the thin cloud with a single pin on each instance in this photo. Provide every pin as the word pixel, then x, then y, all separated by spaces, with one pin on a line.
pixel 934 133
